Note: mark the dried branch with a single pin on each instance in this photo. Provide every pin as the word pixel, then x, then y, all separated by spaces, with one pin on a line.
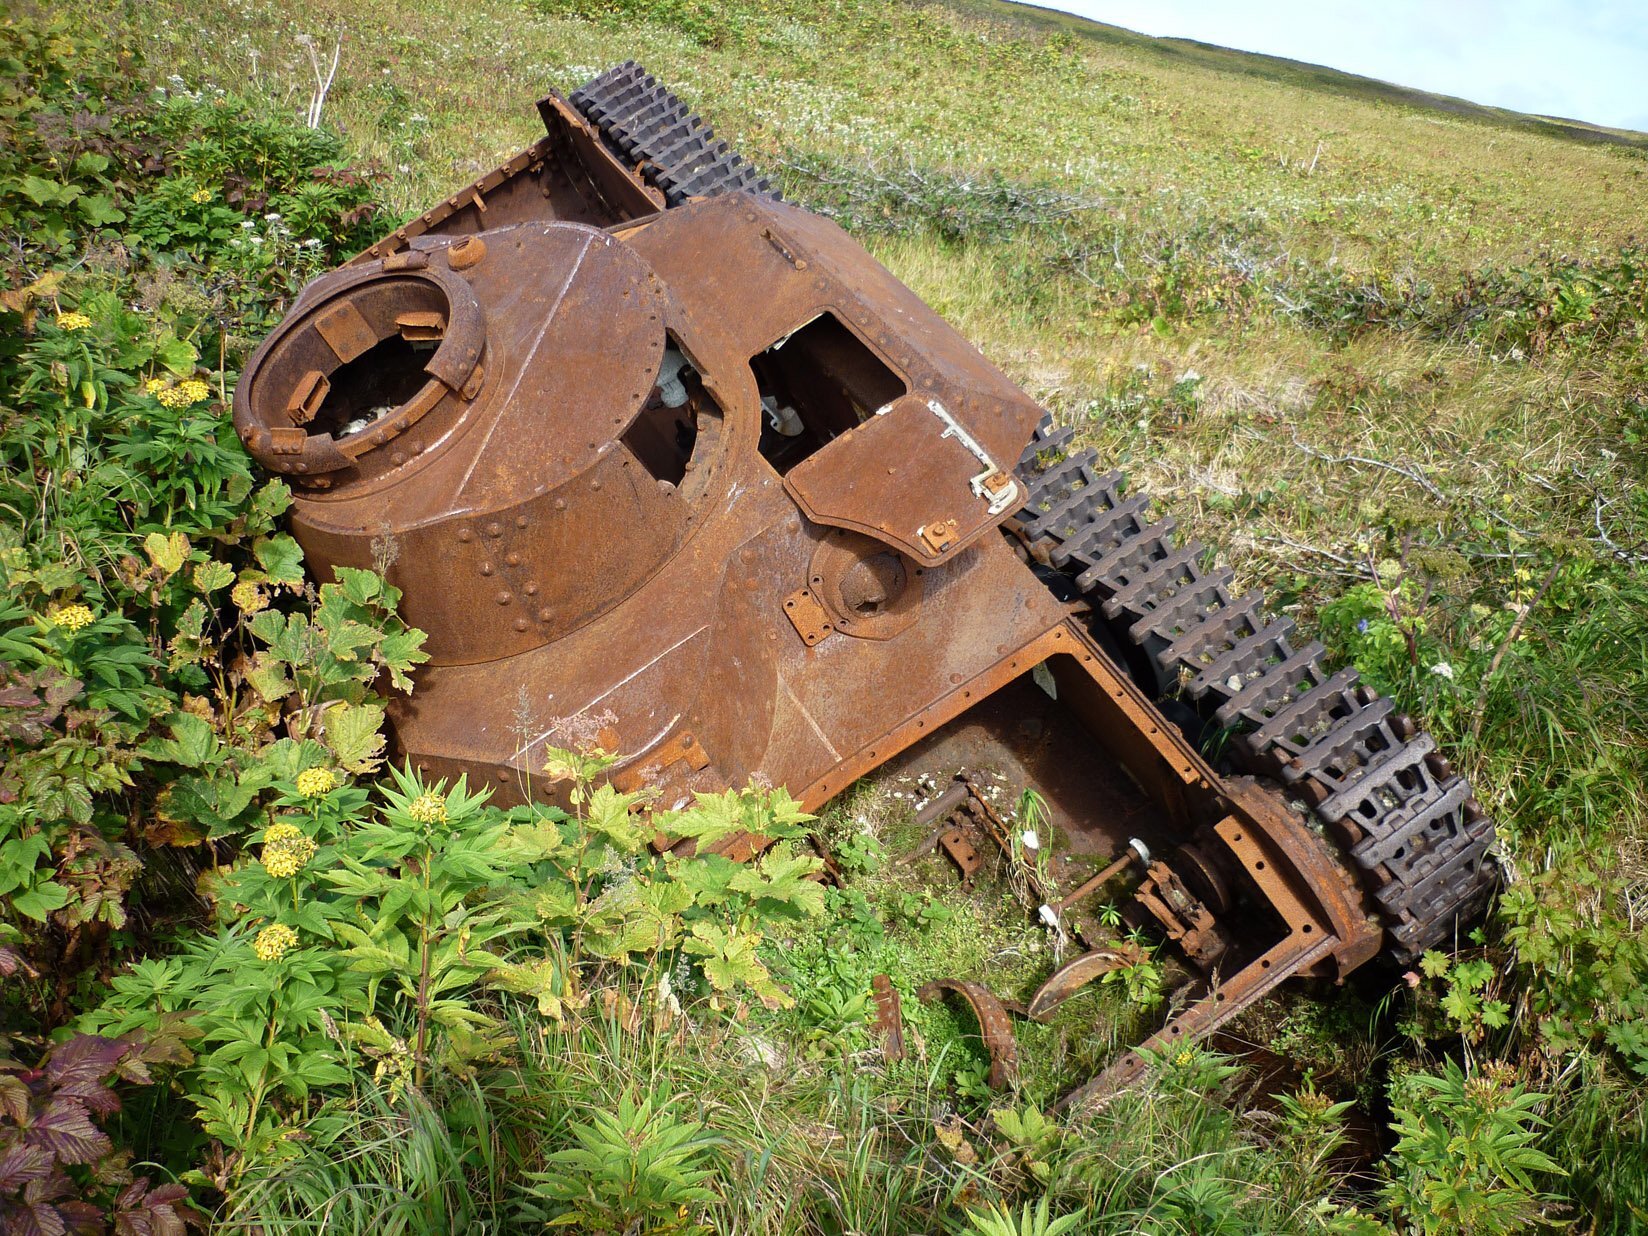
pixel 1510 638
pixel 1412 473
pixel 323 81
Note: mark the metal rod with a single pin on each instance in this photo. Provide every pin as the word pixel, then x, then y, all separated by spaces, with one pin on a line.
pixel 1094 882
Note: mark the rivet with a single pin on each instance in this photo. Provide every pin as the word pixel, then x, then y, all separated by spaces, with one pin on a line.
pixel 520 521
pixel 465 535
pixel 595 485
pixel 494 529
pixel 560 504
pixel 502 598
pixel 531 590
pixel 521 624
pixel 544 615
pixel 398 458
pixel 303 467
pixel 513 559
pixel 486 568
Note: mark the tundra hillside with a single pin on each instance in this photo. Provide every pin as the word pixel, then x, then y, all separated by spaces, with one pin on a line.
pixel 1387 352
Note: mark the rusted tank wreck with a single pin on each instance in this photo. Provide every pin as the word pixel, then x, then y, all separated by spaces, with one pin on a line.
pixel 648 448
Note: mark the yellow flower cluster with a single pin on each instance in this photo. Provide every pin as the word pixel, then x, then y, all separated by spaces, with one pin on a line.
pixel 73 321
pixel 200 195
pixel 274 942
pixel 71 617
pixel 186 393
pixel 249 597
pixel 316 782
pixel 428 809
pixel 286 851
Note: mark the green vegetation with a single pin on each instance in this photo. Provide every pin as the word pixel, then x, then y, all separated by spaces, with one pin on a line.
pixel 1393 360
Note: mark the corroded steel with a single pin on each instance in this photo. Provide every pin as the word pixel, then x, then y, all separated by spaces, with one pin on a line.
pixel 995 1027
pixel 667 465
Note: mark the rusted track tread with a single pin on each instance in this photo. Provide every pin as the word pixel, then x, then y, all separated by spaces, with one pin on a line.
pixel 1406 821
pixel 676 151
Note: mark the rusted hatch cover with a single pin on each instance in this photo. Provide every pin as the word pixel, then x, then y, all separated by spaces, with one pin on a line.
pixel 913 476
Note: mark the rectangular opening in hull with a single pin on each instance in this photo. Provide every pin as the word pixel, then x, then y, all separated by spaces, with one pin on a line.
pixel 817 383
pixel 1023 737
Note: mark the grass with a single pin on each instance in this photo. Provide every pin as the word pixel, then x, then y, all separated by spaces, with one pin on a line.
pixel 1243 280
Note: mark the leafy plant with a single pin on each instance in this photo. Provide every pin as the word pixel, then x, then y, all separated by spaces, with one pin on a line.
pixel 1465 1159
pixel 58 1170
pixel 1029 1221
pixel 640 1167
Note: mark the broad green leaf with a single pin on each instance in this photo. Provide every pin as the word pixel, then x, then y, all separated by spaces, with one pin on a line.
pixel 268 678
pixel 40 900
pixel 354 732
pixel 176 355
pixel 281 559
pixel 212 575
pixel 169 553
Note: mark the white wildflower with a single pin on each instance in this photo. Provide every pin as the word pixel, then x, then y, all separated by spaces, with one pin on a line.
pixel 1443 670
pixel 1031 841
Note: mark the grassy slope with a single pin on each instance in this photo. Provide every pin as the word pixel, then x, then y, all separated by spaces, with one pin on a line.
pixel 1493 464
pixel 1300 73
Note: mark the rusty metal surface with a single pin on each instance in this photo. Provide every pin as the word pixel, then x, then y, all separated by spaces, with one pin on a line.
pixel 995 1027
pixel 663 463
pixel 1077 973
pixel 889 1017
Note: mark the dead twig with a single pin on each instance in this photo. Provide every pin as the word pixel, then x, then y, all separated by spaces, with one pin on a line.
pixel 1499 653
pixel 323 81
pixel 1411 473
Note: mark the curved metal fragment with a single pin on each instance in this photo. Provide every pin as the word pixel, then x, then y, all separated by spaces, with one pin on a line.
pixel 1073 975
pixel 994 1026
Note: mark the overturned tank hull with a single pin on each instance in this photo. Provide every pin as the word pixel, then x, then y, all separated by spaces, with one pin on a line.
pixel 663 463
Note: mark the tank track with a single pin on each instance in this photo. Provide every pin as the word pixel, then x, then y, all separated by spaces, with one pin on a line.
pixel 677 153
pixel 1407 821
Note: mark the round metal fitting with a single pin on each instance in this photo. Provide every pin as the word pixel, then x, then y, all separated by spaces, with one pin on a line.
pixel 867 589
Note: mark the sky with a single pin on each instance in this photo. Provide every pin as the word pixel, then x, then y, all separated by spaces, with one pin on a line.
pixel 1582 59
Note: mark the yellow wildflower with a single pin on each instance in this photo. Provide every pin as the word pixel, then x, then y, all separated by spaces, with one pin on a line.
pixel 249 597
pixel 428 809
pixel 286 851
pixel 71 617
pixel 200 195
pixel 73 321
pixel 173 397
pixel 1187 1056
pixel 274 942
pixel 316 782
pixel 193 389
pixel 154 386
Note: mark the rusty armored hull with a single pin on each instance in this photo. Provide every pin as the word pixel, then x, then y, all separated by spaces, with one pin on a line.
pixel 663 462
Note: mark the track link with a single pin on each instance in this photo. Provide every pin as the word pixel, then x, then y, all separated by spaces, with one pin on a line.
pixel 648 127
pixel 1406 820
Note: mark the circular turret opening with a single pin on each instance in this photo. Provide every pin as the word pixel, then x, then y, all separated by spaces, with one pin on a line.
pixel 374 384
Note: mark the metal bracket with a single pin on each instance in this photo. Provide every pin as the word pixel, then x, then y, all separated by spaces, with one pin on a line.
pixel 807 615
